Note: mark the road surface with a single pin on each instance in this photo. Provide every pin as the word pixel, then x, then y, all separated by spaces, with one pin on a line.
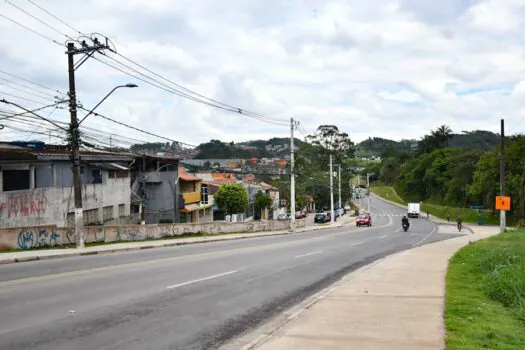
pixel 186 297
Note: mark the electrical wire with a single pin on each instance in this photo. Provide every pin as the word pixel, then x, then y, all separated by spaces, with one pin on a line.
pixel 24 91
pixel 32 82
pixel 31 30
pixel 38 19
pixel 27 87
pixel 22 98
pixel 140 130
pixel 169 89
pixel 55 17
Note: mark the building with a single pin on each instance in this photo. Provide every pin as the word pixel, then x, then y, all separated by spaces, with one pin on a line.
pixel 196 197
pixel 273 192
pixel 36 186
pixel 154 187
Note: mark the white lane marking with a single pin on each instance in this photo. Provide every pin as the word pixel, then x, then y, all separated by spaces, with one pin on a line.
pixel 426 237
pixel 309 254
pixel 383 236
pixel 358 243
pixel 201 279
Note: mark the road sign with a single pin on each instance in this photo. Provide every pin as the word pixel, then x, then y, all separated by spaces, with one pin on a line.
pixel 503 203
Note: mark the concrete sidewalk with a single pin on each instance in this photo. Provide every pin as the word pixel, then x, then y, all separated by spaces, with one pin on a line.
pixel 394 303
pixel 43 254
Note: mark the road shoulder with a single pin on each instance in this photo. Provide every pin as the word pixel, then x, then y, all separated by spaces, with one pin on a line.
pixel 394 303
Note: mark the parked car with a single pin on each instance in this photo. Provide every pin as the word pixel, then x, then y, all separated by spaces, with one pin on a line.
pixel 321 218
pixel 300 214
pixel 363 220
pixel 283 216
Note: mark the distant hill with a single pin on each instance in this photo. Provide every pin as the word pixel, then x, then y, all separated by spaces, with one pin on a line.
pixel 272 148
pixel 475 140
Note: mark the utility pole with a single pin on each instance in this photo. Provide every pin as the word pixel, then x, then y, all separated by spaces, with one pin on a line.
pixel 368 190
pixel 88 51
pixel 339 175
pixel 502 217
pixel 332 214
pixel 142 204
pixel 292 177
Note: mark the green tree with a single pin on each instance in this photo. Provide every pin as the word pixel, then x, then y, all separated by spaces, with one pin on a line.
pixel 262 201
pixel 232 198
pixel 442 135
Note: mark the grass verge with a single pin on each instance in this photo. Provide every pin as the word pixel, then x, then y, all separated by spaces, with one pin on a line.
pixel 485 295
pixel 389 193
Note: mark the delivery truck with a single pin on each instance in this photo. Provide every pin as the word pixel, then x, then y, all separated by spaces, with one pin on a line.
pixel 413 210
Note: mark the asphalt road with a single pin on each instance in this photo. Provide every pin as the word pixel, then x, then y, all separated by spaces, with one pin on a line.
pixel 186 297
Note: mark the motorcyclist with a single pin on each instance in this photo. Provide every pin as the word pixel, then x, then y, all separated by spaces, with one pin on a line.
pixel 459 222
pixel 404 221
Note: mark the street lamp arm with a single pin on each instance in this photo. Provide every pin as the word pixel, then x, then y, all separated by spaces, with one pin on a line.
pixel 98 104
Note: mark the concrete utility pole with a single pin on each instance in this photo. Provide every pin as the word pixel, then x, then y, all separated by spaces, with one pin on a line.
pixel 87 50
pixel 332 214
pixel 292 177
pixel 502 213
pixel 368 189
pixel 339 175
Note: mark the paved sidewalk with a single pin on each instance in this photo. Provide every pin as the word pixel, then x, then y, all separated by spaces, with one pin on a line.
pixel 394 303
pixel 43 254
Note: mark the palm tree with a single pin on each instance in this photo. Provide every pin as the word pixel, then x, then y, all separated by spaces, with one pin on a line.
pixel 442 135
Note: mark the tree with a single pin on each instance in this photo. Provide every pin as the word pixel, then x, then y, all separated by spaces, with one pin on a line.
pixel 330 139
pixel 442 135
pixel 262 201
pixel 232 198
pixel 206 165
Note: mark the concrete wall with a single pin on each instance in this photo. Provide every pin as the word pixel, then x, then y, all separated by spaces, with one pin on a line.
pixel 51 206
pixel 50 235
pixel 160 194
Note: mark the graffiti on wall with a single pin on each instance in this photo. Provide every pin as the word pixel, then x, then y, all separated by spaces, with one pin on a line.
pixel 128 235
pixel 37 238
pixel 24 204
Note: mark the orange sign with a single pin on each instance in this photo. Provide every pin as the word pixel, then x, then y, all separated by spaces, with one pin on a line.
pixel 502 203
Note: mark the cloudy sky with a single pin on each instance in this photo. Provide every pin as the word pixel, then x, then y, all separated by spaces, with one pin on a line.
pixel 393 69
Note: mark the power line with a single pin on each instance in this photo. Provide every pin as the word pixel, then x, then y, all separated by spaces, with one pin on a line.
pixel 142 131
pixel 34 110
pixel 55 17
pixel 22 98
pixel 198 94
pixel 25 92
pixel 39 20
pixel 32 82
pixel 31 30
pixel 27 87
pixel 169 89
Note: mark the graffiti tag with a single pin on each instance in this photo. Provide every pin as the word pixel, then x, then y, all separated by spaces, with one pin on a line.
pixel 37 238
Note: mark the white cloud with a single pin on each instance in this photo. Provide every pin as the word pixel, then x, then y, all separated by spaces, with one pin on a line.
pixel 394 70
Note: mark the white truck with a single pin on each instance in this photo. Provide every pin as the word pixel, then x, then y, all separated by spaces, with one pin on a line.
pixel 413 210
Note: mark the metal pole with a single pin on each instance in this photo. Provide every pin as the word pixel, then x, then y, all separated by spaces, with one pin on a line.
pixel 502 217
pixel 142 204
pixel 75 152
pixel 292 178
pixel 332 214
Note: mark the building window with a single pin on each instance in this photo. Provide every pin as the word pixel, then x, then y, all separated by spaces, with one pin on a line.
pixel 91 217
pixel 204 194
pixel 96 174
pixel 122 210
pixel 15 180
pixel 107 213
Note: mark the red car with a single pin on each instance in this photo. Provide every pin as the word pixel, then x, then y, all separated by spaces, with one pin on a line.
pixel 363 220
pixel 300 215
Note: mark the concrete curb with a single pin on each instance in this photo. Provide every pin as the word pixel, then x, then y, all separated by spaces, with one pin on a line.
pixel 168 244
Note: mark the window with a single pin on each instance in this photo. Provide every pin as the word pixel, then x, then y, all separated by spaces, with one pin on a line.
pixel 107 213
pixel 204 194
pixel 118 174
pixel 96 175
pixel 91 217
pixel 15 180
pixel 122 210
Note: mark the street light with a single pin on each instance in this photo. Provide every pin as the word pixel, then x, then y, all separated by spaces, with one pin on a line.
pixel 75 157
pixel 368 188
pixel 129 85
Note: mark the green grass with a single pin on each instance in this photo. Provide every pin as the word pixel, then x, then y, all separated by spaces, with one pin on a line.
pixel 485 295
pixel 389 193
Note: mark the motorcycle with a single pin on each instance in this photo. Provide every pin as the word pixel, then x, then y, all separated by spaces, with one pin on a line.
pixel 459 226
pixel 405 225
